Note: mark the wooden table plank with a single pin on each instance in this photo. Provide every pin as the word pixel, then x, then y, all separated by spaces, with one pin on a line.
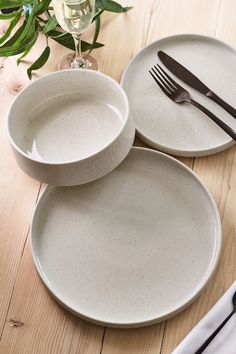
pixel 46 327
pixel 183 16
pixel 124 36
pixel 225 29
pixel 134 341
pixel 18 196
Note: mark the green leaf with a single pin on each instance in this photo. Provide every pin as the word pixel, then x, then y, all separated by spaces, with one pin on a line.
pixel 61 34
pixel 96 32
pixel 26 52
pixel 43 6
pixel 22 47
pixel 67 41
pixel 39 62
pixel 23 39
pixel 22 56
pixel 8 16
pixel 97 14
pixel 8 4
pixel 50 25
pixel 30 25
pixel 12 24
pixel 87 46
pixel 15 36
pixel 112 6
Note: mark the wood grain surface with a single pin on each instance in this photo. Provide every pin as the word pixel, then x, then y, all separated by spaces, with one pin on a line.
pixel 31 322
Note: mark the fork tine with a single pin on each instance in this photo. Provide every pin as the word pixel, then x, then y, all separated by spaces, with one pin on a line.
pixel 164 82
pixel 164 77
pixel 159 83
pixel 168 77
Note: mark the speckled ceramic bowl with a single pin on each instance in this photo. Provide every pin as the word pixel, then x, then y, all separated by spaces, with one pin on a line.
pixel 70 127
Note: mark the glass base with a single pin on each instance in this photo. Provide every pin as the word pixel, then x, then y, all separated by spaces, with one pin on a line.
pixel 87 62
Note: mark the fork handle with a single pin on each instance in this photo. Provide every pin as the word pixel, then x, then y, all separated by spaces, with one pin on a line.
pixel 231 110
pixel 230 131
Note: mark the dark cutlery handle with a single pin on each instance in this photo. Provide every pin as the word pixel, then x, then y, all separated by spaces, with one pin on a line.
pixel 217 120
pixel 231 110
pixel 212 336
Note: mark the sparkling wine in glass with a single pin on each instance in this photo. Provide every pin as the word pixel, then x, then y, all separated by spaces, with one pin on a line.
pixel 74 16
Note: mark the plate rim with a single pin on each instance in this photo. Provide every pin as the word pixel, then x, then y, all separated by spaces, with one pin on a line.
pixel 150 321
pixel 154 144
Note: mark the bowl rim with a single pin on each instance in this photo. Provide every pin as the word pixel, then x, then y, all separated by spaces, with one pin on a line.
pixel 61 73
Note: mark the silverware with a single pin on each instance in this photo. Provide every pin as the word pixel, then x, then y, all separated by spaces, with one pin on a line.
pixel 189 78
pixel 179 95
pixel 212 336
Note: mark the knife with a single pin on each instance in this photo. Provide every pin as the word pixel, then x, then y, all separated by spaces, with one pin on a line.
pixel 186 76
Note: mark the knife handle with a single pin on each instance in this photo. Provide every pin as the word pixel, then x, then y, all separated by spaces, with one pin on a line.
pixel 231 132
pixel 231 110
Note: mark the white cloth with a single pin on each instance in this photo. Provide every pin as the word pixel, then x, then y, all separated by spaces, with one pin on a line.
pixel 225 340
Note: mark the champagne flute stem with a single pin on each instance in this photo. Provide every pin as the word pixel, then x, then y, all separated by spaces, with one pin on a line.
pixel 79 61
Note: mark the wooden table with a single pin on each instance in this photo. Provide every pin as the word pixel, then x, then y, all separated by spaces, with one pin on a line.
pixel 31 321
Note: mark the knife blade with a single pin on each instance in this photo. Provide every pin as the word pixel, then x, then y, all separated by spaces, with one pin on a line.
pixel 189 78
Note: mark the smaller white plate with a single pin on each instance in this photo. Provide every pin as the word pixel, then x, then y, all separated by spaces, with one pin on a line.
pixel 131 248
pixel 181 129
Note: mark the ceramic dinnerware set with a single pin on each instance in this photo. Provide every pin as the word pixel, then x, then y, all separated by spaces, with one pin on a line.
pixel 122 236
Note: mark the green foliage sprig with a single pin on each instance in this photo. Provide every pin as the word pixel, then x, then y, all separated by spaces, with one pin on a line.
pixel 38 17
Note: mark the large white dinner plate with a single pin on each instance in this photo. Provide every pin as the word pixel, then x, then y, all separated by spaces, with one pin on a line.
pixel 181 129
pixel 131 248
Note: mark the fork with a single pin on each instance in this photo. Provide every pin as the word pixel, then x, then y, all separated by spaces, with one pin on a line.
pixel 179 95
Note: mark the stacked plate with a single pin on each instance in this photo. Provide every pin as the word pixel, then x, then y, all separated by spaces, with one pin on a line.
pixel 136 236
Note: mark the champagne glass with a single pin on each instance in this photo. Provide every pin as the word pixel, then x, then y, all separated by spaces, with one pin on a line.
pixel 74 16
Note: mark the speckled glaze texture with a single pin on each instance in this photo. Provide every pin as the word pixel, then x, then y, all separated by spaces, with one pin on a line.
pixel 132 248
pixel 81 122
pixel 181 129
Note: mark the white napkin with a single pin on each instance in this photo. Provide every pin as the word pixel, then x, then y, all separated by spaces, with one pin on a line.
pixel 225 340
